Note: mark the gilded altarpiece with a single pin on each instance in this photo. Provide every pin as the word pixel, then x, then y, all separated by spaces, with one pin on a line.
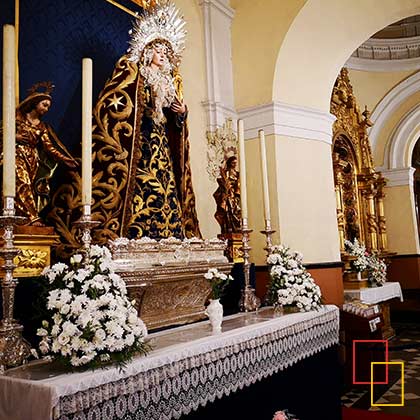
pixel 359 188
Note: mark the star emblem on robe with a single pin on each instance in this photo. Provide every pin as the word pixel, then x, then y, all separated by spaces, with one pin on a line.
pixel 115 101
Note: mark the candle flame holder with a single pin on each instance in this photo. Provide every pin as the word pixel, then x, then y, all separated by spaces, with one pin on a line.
pixel 14 349
pixel 268 232
pixel 249 301
pixel 86 224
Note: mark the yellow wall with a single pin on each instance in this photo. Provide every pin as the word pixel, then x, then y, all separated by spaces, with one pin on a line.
pixel 255 196
pixel 401 220
pixel 193 70
pixel 307 208
pixel 371 87
pixel 258 30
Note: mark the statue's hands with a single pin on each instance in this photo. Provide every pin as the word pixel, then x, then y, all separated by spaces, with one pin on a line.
pixel 178 106
pixel 23 136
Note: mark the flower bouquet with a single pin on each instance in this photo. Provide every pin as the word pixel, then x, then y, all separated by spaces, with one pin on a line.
pixel 92 322
pixel 358 250
pixel 291 285
pixel 376 271
pixel 365 261
pixel 218 282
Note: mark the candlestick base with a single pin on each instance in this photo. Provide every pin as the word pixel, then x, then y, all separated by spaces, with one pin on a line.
pixel 14 349
pixel 248 301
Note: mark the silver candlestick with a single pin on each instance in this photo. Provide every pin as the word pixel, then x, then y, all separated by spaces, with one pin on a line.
pixel 249 301
pixel 268 232
pixel 86 224
pixel 14 349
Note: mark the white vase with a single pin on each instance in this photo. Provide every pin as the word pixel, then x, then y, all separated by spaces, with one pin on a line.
pixel 215 313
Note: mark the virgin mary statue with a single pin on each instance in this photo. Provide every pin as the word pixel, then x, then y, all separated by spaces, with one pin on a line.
pixel 141 157
pixel 142 176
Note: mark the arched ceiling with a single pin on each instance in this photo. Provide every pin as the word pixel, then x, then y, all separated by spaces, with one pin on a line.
pixel 393 48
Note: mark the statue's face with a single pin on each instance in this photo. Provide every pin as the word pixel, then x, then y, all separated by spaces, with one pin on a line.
pixel 159 54
pixel 43 107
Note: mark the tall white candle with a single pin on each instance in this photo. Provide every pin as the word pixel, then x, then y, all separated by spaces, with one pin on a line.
pixel 9 112
pixel 264 174
pixel 86 131
pixel 242 169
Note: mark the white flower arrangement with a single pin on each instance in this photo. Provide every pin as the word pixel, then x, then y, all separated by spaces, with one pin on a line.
pixel 358 250
pixel 218 281
pixel 291 284
pixel 377 271
pixel 92 321
pixel 366 261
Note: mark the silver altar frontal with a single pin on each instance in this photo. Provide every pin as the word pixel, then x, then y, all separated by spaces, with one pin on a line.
pixel 166 277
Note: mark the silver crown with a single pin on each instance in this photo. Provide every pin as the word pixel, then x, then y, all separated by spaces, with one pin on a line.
pixel 162 22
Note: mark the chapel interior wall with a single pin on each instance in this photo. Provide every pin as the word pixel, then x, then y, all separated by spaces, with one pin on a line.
pixel 193 70
pixel 401 220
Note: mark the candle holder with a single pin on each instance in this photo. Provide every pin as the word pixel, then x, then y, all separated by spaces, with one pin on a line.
pixel 268 232
pixel 14 349
pixel 249 301
pixel 86 224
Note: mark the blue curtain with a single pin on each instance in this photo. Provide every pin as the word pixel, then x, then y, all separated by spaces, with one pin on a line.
pixel 54 37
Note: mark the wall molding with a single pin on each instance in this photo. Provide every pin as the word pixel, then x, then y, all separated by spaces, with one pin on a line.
pixel 221 5
pixel 388 54
pixel 365 64
pixel 398 176
pixel 217 113
pixel 288 120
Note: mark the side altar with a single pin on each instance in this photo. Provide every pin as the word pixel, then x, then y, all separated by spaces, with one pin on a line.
pixel 166 277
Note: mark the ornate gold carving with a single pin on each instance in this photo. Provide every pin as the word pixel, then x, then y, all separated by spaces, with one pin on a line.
pixel 359 188
pixel 35 248
pixel 32 259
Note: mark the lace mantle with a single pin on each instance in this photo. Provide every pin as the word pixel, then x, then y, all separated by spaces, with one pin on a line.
pixel 180 374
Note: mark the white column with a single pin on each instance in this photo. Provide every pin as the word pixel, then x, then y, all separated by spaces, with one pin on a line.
pixel 217 16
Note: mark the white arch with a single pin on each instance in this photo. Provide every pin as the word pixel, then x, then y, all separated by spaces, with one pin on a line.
pixel 402 141
pixel 307 78
pixel 390 103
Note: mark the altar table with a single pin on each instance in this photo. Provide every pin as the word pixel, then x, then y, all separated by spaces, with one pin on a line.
pixel 381 295
pixel 188 368
pixel 374 295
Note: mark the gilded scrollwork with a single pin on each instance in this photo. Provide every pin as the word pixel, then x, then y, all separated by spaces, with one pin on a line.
pixel 360 188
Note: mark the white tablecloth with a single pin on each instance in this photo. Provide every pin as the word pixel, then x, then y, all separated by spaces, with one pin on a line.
pixel 187 368
pixel 374 295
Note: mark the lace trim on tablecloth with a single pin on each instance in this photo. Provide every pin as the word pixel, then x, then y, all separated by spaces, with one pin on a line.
pixel 180 386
